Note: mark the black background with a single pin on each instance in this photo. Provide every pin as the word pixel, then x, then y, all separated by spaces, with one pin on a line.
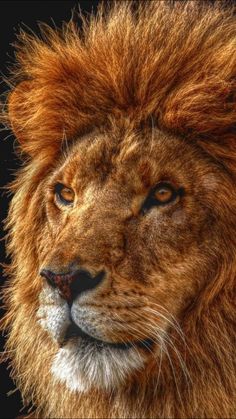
pixel 13 15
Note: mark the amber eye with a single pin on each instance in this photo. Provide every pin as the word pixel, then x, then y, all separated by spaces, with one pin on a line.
pixel 162 194
pixel 64 195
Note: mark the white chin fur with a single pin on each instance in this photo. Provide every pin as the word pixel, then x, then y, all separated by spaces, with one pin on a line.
pixel 82 367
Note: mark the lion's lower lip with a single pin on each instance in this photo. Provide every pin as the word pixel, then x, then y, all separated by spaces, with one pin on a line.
pixel 75 331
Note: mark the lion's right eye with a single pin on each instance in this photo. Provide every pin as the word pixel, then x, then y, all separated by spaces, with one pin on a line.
pixel 64 195
pixel 162 194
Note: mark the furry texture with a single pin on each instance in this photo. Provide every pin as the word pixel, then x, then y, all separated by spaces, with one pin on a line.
pixel 174 64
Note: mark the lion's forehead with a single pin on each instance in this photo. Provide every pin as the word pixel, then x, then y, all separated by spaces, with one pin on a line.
pixel 132 163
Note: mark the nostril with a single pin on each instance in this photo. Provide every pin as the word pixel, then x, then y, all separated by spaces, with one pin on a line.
pixel 84 281
pixel 71 284
pixel 48 275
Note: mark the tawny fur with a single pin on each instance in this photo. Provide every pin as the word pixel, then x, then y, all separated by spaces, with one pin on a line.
pixel 172 65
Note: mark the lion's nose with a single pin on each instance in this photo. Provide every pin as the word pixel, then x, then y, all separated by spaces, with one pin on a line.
pixel 71 284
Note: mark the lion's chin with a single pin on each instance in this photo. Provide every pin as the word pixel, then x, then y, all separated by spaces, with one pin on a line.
pixel 84 360
pixel 84 363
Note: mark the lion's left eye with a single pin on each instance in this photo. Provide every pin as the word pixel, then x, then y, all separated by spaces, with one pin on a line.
pixel 64 195
pixel 162 194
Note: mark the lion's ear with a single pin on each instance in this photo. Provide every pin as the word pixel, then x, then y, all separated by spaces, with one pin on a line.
pixel 43 111
pixel 18 110
pixel 35 119
pixel 19 113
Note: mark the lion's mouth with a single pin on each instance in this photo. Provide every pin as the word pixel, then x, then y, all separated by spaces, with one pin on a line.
pixel 74 331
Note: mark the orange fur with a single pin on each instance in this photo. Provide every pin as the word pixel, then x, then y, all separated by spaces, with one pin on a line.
pixel 174 66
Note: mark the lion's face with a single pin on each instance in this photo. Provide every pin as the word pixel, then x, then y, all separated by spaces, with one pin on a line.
pixel 130 235
pixel 120 301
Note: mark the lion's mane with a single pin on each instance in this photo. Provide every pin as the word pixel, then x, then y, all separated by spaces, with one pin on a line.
pixel 174 62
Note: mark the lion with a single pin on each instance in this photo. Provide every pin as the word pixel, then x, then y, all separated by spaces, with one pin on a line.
pixel 122 227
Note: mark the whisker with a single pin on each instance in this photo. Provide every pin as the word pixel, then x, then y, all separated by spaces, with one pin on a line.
pixel 173 371
pixel 172 317
pixel 173 324
pixel 165 340
pixel 65 145
pixel 169 341
pixel 140 334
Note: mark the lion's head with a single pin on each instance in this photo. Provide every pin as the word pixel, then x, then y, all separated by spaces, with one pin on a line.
pixel 123 222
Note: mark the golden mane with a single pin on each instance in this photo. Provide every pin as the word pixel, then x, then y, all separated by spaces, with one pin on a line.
pixel 182 74
pixel 175 63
